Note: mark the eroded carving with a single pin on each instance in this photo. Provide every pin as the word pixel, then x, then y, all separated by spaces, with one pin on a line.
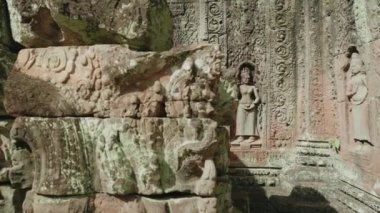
pixel 169 155
pixel 86 81
pixel 154 102
pixel 357 93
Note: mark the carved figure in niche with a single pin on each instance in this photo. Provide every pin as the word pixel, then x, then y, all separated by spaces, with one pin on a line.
pixel 248 100
pixel 132 108
pixel 357 92
pixel 179 90
pixel 201 97
pixel 154 102
pixel 191 87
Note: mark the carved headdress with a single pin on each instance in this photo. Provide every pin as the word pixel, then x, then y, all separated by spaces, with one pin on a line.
pixel 246 70
pixel 356 64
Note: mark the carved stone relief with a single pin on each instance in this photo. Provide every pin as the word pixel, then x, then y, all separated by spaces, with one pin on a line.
pixel 109 122
pixel 240 28
pixel 216 22
pixel 357 94
pixel 5 151
pixel 86 81
pixel 247 110
pixel 282 97
pixel 169 155
pixel 144 25
pixel 344 30
pixel 186 18
pixel 151 137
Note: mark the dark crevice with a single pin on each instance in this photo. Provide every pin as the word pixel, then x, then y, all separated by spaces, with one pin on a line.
pixel 166 196
pixel 117 4
pixel 5 29
pixel 21 144
pixel 6 117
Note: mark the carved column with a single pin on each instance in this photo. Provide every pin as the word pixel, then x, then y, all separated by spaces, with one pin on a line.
pixel 311 107
pixel 282 94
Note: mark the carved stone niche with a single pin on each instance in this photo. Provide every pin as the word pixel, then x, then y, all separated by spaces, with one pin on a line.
pixel 120 156
pixel 248 98
pixel 113 81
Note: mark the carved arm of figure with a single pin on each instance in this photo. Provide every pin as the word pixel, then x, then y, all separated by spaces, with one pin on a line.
pixel 236 93
pixel 364 79
pixel 346 63
pixel 351 90
pixel 257 98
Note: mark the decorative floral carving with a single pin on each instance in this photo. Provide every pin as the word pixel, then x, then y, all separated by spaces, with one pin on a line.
pixel 282 92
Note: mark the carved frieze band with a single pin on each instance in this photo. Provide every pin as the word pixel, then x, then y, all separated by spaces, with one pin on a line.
pixel 255 176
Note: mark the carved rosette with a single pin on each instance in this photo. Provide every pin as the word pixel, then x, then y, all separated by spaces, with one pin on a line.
pixel 215 23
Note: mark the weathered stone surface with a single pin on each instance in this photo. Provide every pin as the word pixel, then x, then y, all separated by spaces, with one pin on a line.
pixel 7 49
pixel 103 203
pixel 5 152
pixel 16 165
pixel 123 156
pixel 143 24
pixel 38 203
pixel 191 204
pixel 11 199
pixel 317 120
pixel 6 61
pixel 102 81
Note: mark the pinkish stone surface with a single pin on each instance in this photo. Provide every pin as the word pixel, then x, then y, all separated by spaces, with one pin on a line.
pixel 102 81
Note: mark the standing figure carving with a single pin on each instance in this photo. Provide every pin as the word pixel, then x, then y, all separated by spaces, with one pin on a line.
pixel 178 103
pixel 154 102
pixel 248 100
pixel 357 94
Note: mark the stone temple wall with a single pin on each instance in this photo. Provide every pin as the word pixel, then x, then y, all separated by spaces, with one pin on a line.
pixel 300 53
pixel 174 105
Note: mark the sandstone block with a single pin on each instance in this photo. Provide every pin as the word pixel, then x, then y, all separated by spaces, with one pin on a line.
pixel 148 156
pixel 192 204
pixel 104 203
pixel 143 24
pixel 113 81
